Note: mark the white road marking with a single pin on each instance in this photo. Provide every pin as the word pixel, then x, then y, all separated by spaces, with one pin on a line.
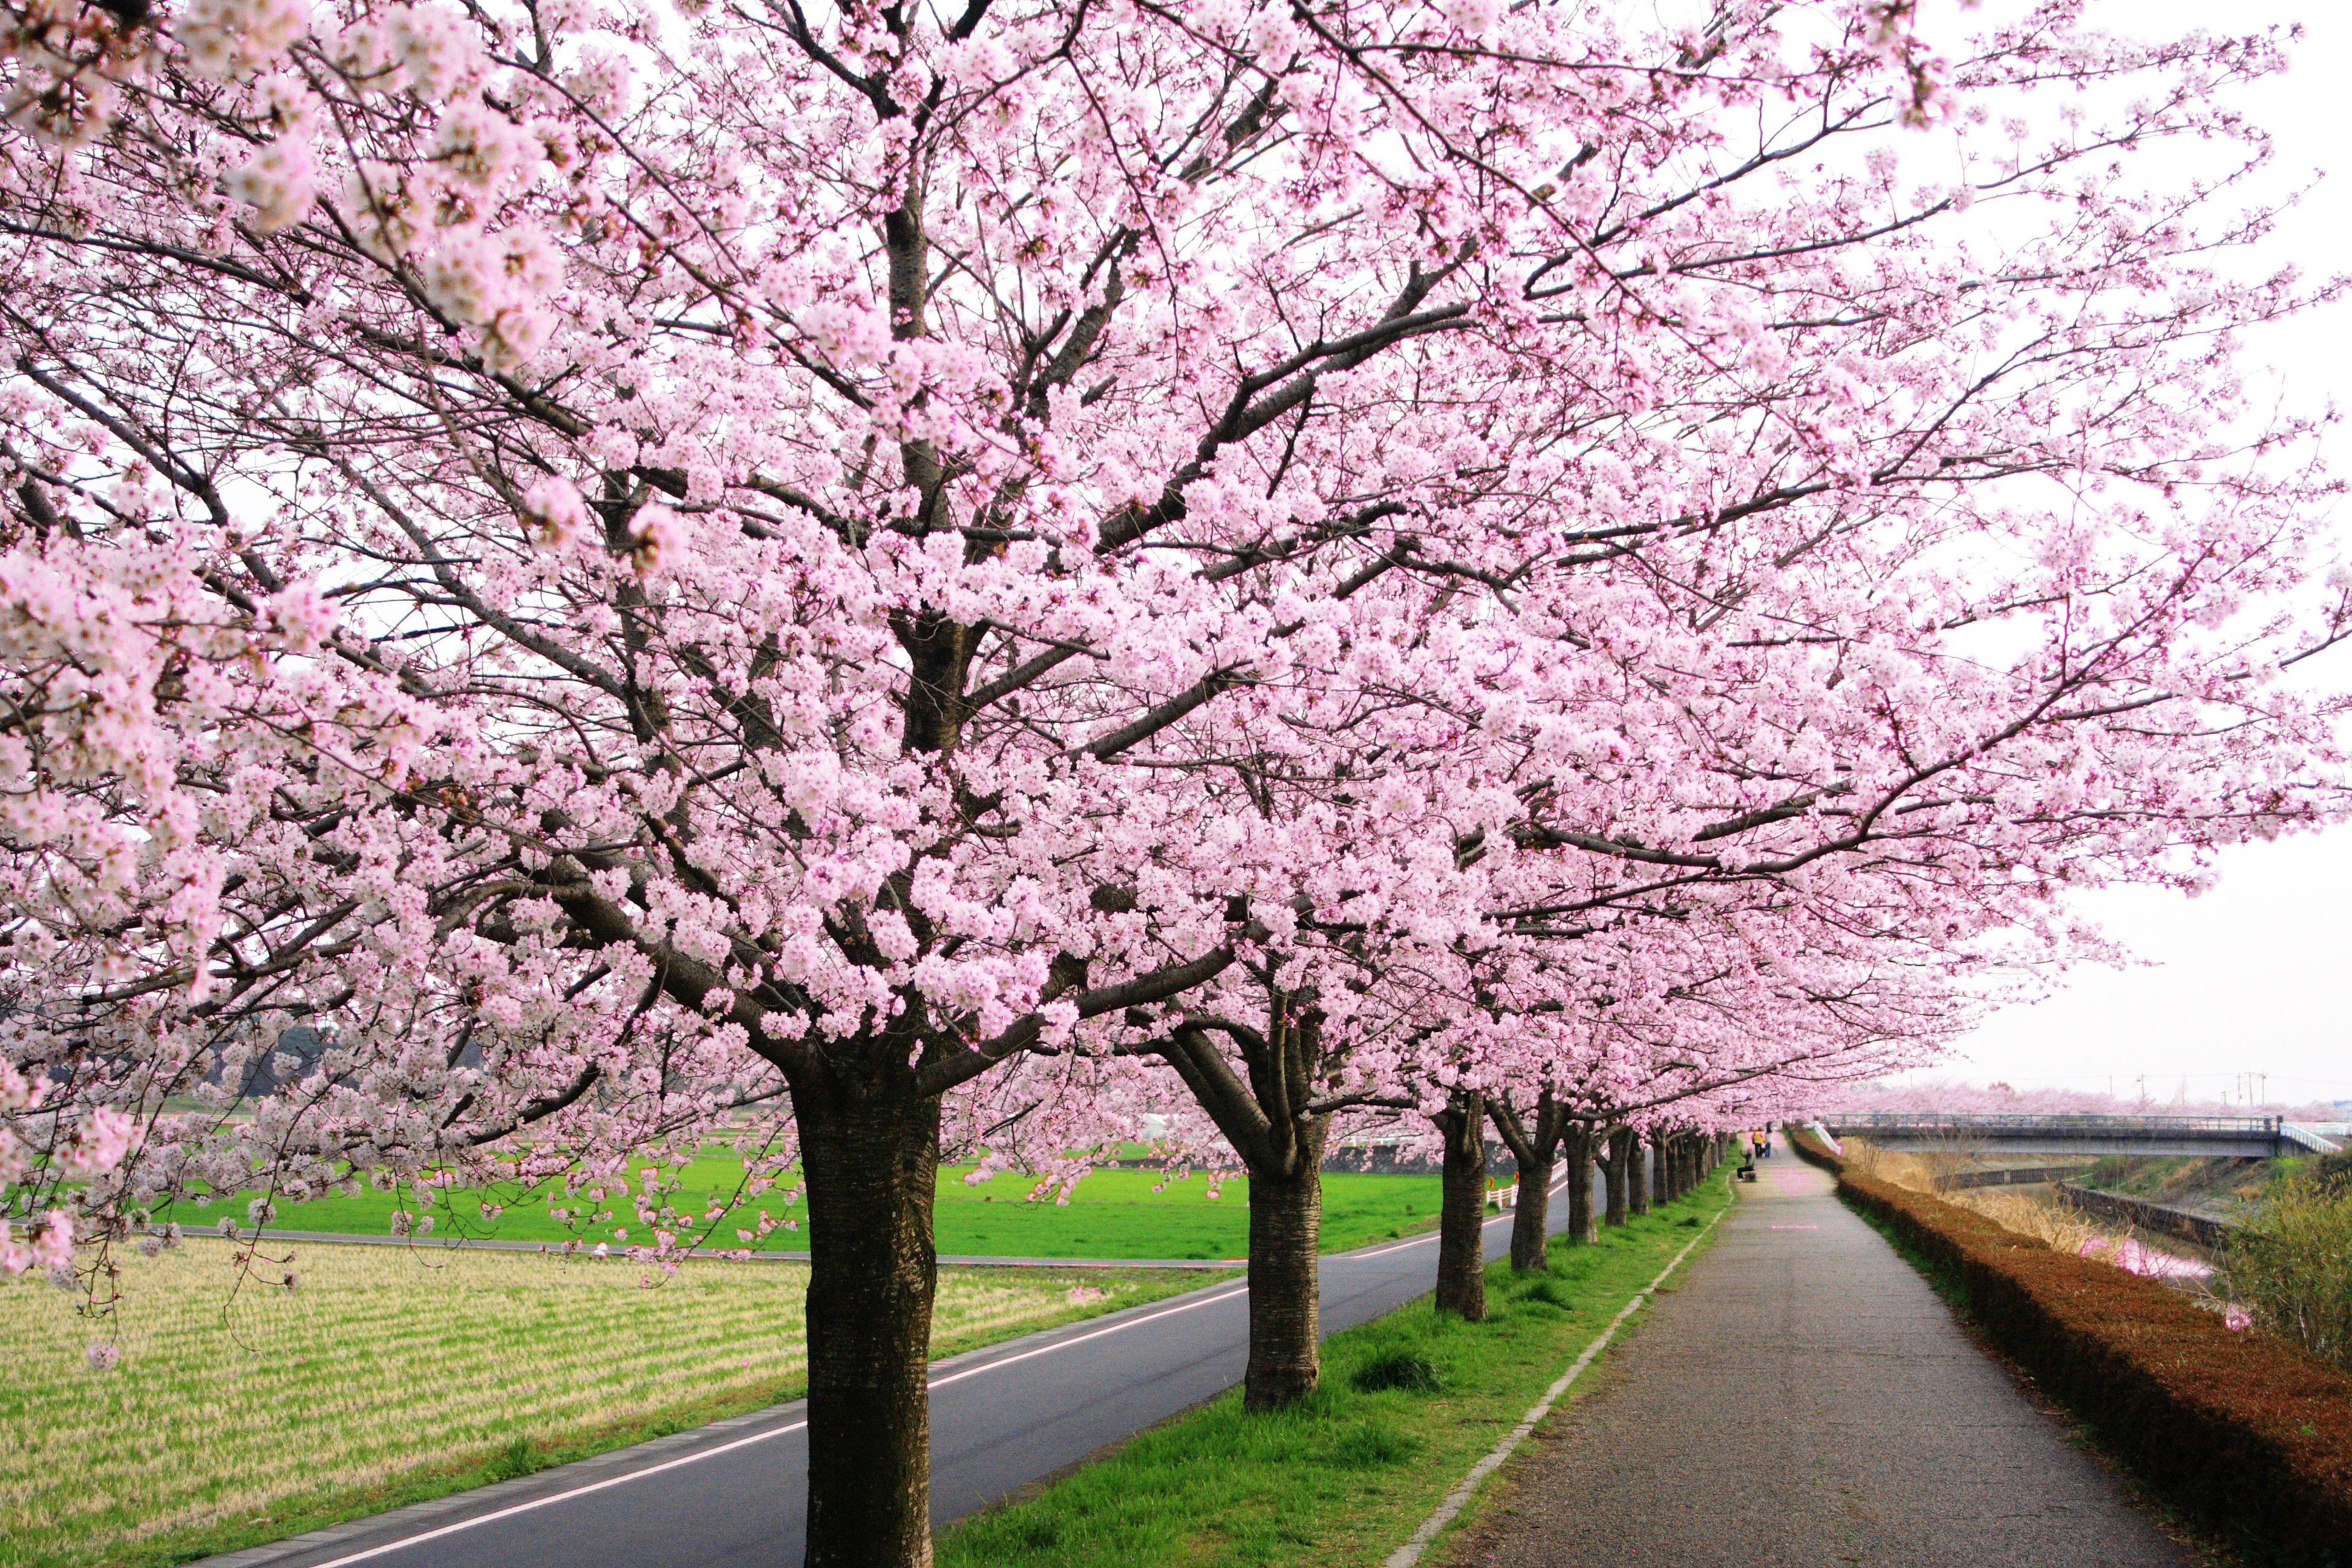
pixel 406 1541
pixel 554 1498
pixel 1226 1295
pixel 463 1524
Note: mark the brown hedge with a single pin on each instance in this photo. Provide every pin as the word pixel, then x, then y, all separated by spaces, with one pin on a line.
pixel 2250 1433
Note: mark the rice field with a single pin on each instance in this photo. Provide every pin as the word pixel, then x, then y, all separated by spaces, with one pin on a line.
pixel 208 1414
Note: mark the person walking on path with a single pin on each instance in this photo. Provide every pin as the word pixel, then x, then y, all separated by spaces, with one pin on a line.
pixel 1805 1400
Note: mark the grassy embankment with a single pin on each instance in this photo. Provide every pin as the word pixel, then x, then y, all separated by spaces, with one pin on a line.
pixel 2217 1186
pixel 1347 1476
pixel 2292 1265
pixel 1112 1213
pixel 388 1377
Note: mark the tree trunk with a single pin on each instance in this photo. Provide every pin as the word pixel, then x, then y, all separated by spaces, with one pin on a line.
pixel 1531 1219
pixel 871 1164
pixel 1576 1147
pixel 1462 1216
pixel 1285 1339
pixel 1637 1175
pixel 1662 1182
pixel 1536 1155
pixel 1621 1155
pixel 1282 1149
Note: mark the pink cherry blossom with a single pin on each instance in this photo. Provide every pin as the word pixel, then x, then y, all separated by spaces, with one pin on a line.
pixel 881 585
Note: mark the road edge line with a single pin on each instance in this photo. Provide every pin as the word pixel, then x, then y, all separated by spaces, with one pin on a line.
pixel 1410 1553
pixel 1206 1295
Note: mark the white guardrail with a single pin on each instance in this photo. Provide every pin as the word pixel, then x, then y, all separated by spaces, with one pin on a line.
pixel 2320 1138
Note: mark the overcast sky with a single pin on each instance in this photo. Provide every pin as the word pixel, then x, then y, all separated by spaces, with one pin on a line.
pixel 2256 976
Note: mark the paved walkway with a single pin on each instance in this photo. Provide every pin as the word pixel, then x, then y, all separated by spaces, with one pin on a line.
pixel 1803 1400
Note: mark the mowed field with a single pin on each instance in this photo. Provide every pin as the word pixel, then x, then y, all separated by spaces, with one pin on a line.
pixel 1113 1212
pixel 245 1413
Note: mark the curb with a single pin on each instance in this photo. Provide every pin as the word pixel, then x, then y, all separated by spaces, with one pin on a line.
pixel 1410 1553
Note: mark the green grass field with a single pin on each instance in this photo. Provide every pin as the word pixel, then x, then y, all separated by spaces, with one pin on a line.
pixel 247 1415
pixel 1346 1478
pixel 1113 1212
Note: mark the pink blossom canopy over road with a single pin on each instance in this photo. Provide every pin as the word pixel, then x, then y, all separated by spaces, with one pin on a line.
pixel 606 556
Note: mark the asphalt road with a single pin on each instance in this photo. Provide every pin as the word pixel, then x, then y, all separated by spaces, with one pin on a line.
pixel 729 1495
pixel 1802 1400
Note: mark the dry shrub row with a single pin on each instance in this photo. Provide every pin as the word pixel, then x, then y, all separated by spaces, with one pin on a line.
pixel 2249 1433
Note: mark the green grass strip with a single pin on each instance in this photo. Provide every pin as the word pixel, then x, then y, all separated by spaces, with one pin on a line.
pixel 1409 1402
pixel 1111 1214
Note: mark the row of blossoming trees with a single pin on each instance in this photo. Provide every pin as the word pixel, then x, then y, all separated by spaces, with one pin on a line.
pixel 956 575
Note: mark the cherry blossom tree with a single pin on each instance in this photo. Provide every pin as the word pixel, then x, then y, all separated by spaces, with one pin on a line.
pixel 1580 1066
pixel 869 572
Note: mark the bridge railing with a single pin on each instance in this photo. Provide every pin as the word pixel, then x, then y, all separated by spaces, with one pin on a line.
pixel 1961 1124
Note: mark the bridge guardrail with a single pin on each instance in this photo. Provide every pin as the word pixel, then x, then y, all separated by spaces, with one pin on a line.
pixel 2318 1139
pixel 1992 1121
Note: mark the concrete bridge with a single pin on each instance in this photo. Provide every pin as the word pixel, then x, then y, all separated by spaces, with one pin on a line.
pixel 2213 1137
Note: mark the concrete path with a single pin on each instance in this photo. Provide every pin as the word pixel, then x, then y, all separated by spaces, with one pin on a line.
pixel 730 1495
pixel 1803 1400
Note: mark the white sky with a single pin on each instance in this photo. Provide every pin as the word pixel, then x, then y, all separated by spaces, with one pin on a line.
pixel 2256 976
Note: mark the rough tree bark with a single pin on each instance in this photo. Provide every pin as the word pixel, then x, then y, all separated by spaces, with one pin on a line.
pixel 871 1164
pixel 1286 1340
pixel 1621 1159
pixel 1273 1123
pixel 1662 1182
pixel 1461 1214
pixel 1637 1173
pixel 1536 1148
pixel 1576 1147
